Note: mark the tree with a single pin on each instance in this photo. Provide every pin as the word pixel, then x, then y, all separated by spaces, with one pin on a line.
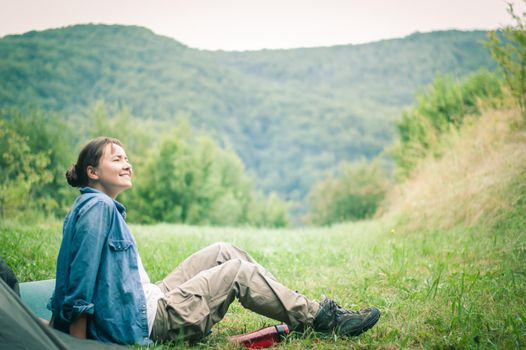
pixel 509 50
pixel 190 179
pixel 22 171
pixel 352 195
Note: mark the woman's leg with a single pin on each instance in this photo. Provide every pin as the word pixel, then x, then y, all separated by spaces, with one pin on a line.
pixel 190 310
pixel 206 258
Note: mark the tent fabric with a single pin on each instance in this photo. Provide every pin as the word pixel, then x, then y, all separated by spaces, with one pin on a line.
pixel 36 295
pixel 21 329
pixel 8 276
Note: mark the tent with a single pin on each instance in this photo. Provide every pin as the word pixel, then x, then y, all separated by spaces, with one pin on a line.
pixel 21 329
pixel 35 296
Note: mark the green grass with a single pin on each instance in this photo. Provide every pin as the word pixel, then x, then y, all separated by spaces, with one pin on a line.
pixel 457 288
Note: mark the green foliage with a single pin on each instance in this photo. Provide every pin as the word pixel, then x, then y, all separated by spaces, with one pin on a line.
pixel 21 171
pixel 267 211
pixel 441 108
pixel 181 181
pixel 34 149
pixel 510 53
pixel 290 115
pixel 185 177
pixel 192 180
pixel 138 135
pixel 353 195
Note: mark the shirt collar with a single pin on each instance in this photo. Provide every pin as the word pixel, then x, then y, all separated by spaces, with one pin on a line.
pixel 120 207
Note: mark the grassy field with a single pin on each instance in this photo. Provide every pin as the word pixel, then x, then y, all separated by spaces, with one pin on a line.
pixel 445 264
pixel 454 288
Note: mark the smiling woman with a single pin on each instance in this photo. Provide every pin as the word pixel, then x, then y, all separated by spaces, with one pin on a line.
pixel 107 167
pixel 114 172
pixel 103 292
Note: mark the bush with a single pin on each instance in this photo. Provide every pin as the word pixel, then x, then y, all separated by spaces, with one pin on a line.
pixel 441 108
pixel 509 50
pixel 190 179
pixel 34 150
pixel 353 195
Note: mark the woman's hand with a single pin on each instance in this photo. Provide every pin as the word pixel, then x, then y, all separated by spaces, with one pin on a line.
pixel 78 327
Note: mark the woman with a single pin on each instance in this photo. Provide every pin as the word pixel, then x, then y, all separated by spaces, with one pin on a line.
pixel 103 292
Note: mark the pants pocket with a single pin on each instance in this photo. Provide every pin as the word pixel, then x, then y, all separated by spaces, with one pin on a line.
pixel 188 315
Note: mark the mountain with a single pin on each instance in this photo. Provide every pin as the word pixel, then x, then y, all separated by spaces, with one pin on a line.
pixel 291 115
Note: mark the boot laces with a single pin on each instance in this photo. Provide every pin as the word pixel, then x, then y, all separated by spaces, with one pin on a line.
pixel 338 311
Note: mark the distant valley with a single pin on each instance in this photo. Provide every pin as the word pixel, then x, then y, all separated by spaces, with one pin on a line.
pixel 291 115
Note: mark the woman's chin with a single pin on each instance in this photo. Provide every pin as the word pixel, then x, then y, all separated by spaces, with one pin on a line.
pixel 127 184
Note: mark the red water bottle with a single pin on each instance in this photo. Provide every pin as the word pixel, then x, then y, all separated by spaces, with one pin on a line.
pixel 263 338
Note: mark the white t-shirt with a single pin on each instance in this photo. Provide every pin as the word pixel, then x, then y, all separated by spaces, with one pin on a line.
pixel 152 293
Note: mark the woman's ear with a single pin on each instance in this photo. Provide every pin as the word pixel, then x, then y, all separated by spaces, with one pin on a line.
pixel 92 173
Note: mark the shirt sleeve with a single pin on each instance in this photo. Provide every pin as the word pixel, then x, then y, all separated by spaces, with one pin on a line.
pixel 87 242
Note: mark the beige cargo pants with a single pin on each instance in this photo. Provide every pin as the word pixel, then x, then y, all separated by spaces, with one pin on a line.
pixel 199 291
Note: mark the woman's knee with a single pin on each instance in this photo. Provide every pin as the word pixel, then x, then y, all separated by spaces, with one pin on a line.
pixel 240 267
pixel 219 249
pixel 227 250
pixel 235 267
pixel 220 246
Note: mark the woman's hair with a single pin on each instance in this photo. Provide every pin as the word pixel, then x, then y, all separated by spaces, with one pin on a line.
pixel 77 175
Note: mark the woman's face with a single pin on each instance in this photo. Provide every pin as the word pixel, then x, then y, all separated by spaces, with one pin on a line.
pixel 113 174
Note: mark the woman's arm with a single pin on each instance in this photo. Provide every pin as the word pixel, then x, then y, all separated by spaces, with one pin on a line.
pixel 78 327
pixel 85 250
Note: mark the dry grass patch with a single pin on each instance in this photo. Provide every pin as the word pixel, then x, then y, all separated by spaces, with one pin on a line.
pixel 471 181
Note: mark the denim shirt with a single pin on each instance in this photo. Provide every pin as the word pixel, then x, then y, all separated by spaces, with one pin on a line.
pixel 97 273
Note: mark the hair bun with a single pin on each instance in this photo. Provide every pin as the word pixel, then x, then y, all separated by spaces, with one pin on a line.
pixel 72 177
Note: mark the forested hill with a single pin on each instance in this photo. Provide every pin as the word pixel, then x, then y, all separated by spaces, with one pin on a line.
pixel 290 114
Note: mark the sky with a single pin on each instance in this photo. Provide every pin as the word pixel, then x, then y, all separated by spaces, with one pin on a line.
pixel 261 24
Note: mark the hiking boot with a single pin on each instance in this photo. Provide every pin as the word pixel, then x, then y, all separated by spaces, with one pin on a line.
pixel 332 317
